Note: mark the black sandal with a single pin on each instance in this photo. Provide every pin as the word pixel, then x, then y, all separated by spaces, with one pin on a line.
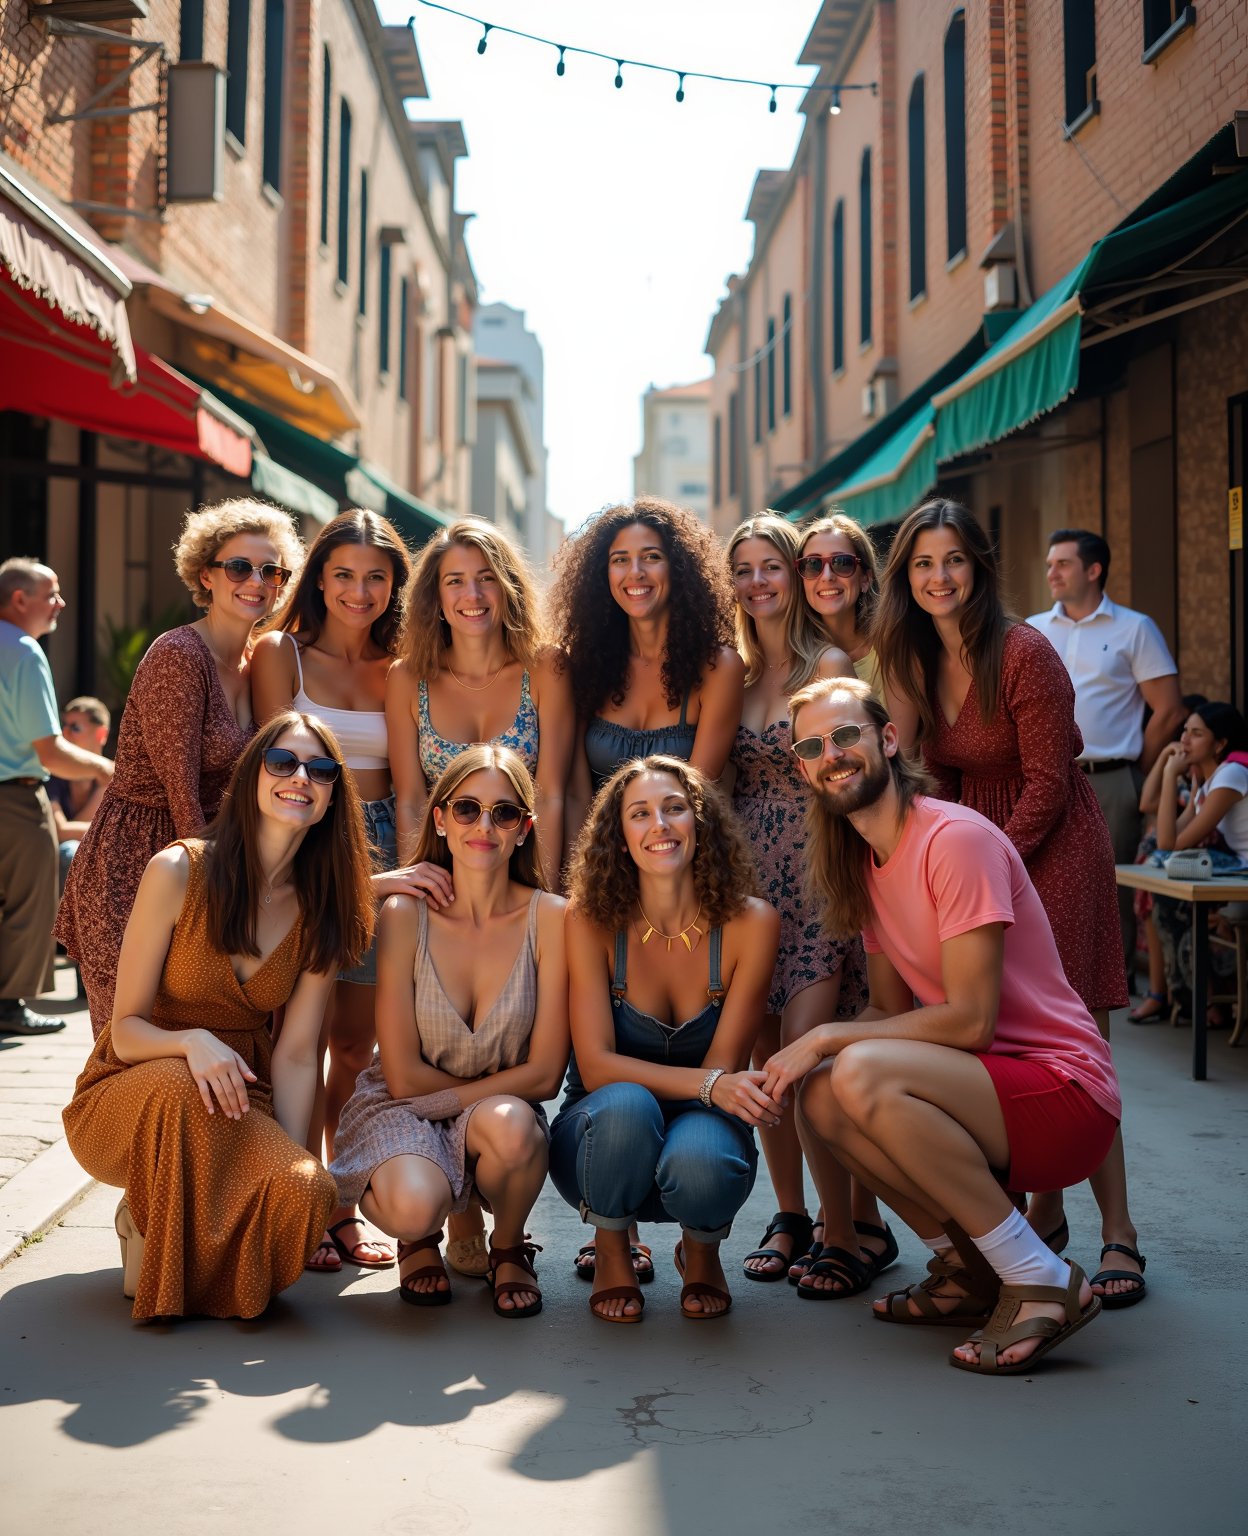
pixel 794 1224
pixel 1104 1276
pixel 585 1264
pixel 803 1261
pixel 837 1264
pixel 879 1262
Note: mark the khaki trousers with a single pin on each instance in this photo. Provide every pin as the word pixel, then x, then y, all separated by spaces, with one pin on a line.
pixel 1119 794
pixel 28 879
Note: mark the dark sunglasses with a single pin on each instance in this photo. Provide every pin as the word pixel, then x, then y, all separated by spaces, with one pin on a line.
pixel 811 747
pixel 282 763
pixel 810 566
pixel 505 814
pixel 238 570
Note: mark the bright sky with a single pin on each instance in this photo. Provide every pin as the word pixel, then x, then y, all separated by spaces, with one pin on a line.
pixel 612 218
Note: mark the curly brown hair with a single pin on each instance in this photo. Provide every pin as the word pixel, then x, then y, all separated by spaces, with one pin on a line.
pixel 602 878
pixel 206 530
pixel 593 628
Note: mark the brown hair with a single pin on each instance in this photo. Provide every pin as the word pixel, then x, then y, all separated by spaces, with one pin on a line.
pixel 426 635
pixel 331 869
pixel 303 612
pixel 205 532
pixel 836 853
pixel 95 709
pixel 859 540
pixel 802 633
pixel 525 867
pixel 905 637
pixel 602 879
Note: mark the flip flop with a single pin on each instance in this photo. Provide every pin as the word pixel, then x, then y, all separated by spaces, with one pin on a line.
pixel 794 1224
pixel 347 1251
pixel 1001 1331
pixel 1103 1276
pixel 698 1288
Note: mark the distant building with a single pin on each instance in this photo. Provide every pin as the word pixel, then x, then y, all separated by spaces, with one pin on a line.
pixel 675 457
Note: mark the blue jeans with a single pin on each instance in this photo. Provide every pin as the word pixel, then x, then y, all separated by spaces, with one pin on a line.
pixel 383 845
pixel 620 1155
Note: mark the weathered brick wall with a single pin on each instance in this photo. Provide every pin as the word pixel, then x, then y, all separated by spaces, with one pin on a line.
pixel 40 74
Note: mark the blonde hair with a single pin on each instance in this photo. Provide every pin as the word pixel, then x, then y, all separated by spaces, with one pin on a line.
pixel 803 635
pixel 526 866
pixel 205 532
pixel 426 635
pixel 859 541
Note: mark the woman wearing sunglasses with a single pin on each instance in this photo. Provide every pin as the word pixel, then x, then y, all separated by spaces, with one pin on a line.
pixel 837 566
pixel 472 1034
pixel 815 979
pixel 670 958
pixel 187 717
pixel 184 1102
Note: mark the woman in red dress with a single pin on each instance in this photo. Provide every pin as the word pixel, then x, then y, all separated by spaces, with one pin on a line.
pixel 989 703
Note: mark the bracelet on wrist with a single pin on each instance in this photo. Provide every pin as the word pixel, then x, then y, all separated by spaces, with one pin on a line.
pixel 708 1084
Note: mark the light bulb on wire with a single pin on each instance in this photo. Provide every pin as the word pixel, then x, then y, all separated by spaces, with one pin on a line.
pixel 835 109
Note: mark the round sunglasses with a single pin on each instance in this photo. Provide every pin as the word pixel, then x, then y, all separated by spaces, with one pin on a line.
pixel 843 737
pixel 238 570
pixel 811 566
pixel 505 814
pixel 282 763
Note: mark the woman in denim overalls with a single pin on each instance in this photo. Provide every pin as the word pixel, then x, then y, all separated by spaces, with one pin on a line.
pixel 670 958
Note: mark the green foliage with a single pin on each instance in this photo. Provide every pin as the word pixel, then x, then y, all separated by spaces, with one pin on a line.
pixel 121 649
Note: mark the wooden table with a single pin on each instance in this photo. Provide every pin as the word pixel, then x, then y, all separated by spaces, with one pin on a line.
pixel 1147 877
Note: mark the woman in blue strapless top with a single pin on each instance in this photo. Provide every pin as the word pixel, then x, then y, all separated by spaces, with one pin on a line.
pixel 643 611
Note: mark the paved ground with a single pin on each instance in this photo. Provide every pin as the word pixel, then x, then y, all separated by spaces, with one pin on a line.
pixel 344 1411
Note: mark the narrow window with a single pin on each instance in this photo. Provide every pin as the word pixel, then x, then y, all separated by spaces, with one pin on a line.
pixel 383 311
pixel 274 69
pixel 786 371
pixel 1079 44
pixel 758 399
pixel 404 322
pixel 916 140
pixel 327 96
pixel 344 190
pixel 771 375
pixel 363 298
pixel 955 134
pixel 191 30
pixel 1161 15
pixel 717 449
pixel 236 43
pixel 734 438
pixel 864 249
pixel 838 286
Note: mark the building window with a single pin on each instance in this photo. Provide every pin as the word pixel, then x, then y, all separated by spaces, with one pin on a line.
pixel 363 295
pixel 734 440
pixel 1164 20
pixel 771 375
pixel 236 44
pixel 327 96
pixel 864 249
pixel 191 30
pixel 274 70
pixel 758 399
pixel 383 311
pixel 344 190
pixel 955 134
pixel 838 286
pixel 1079 48
pixel 404 323
pixel 717 449
pixel 786 369
pixel 916 140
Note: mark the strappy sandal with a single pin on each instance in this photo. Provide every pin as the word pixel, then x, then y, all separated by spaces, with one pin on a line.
pixel 1104 1276
pixel 802 1261
pixel 585 1264
pixel 836 1264
pixel 414 1298
pixel 940 1272
pixel 348 1252
pixel 698 1288
pixel 522 1257
pixel 1001 1330
pixel 890 1253
pixel 794 1224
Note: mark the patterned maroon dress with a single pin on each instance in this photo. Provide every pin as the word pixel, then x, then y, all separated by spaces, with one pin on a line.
pixel 1019 771
pixel 176 747
pixel 770 798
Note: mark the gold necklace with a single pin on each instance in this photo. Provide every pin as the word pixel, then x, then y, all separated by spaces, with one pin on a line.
pixel 683 935
pixel 475 687
pixel 772 665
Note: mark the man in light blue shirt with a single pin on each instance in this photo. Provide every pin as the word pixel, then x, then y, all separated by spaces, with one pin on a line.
pixel 31 747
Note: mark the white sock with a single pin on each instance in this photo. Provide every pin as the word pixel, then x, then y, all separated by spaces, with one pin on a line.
pixel 1018 1254
pixel 937 1244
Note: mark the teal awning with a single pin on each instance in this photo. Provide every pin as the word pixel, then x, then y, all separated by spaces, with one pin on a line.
pixel 897 475
pixel 1035 364
pixel 289 490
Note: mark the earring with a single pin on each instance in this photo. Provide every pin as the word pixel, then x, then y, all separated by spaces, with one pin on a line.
pixel 441 831
pixel 519 842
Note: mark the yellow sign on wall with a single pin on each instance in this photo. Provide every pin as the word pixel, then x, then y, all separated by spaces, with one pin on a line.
pixel 1235 517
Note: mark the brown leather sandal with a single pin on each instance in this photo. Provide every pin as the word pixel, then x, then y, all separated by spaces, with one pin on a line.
pixel 1001 1330
pixel 620 1293
pixel 434 1298
pixel 940 1272
pixel 697 1288
pixel 521 1256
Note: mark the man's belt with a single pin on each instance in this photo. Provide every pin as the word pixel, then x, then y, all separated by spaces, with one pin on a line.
pixel 1107 765
pixel 27 783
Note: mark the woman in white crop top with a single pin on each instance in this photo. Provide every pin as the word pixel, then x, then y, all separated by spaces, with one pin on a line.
pixel 328 655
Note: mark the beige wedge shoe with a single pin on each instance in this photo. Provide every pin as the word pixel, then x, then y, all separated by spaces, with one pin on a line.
pixel 131 1248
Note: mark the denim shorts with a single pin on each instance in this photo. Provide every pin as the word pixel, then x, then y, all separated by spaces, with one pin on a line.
pixel 383 845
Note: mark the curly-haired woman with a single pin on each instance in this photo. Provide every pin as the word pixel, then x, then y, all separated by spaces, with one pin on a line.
pixel 472 1024
pixel 187 717
pixel 837 564
pixel 184 1102
pixel 643 610
pixel 670 958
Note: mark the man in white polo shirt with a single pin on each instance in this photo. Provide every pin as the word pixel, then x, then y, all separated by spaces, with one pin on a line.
pixel 1118 663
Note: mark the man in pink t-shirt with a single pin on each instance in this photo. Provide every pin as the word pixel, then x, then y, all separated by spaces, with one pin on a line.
pixel 975 1068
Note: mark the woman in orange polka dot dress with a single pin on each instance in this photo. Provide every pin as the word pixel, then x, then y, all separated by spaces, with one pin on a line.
pixel 185 1102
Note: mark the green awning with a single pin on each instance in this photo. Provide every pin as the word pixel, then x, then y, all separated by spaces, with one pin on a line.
pixel 290 490
pixel 1035 364
pixel 897 475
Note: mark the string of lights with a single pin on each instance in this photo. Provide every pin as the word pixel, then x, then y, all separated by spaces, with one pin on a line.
pixel 621 64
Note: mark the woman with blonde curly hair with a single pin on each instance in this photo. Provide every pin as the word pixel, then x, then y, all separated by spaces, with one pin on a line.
pixel 669 958
pixel 187 718
pixel 840 581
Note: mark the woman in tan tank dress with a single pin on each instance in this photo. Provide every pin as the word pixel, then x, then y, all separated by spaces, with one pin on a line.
pixel 184 1101
pixel 472 1031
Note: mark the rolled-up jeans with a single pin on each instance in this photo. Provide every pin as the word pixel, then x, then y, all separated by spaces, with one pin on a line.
pixel 621 1155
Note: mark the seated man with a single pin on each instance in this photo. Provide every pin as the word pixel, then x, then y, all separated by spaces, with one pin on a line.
pixel 975 1069
pixel 84 721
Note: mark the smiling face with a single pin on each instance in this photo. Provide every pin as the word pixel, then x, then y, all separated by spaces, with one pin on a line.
pixel 639 572
pixel 357 581
pixel 942 576
pixel 848 778
pixel 468 591
pixel 295 801
pixel 762 579
pixel 249 599
pixel 481 844
pixel 660 828
pixel 828 593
